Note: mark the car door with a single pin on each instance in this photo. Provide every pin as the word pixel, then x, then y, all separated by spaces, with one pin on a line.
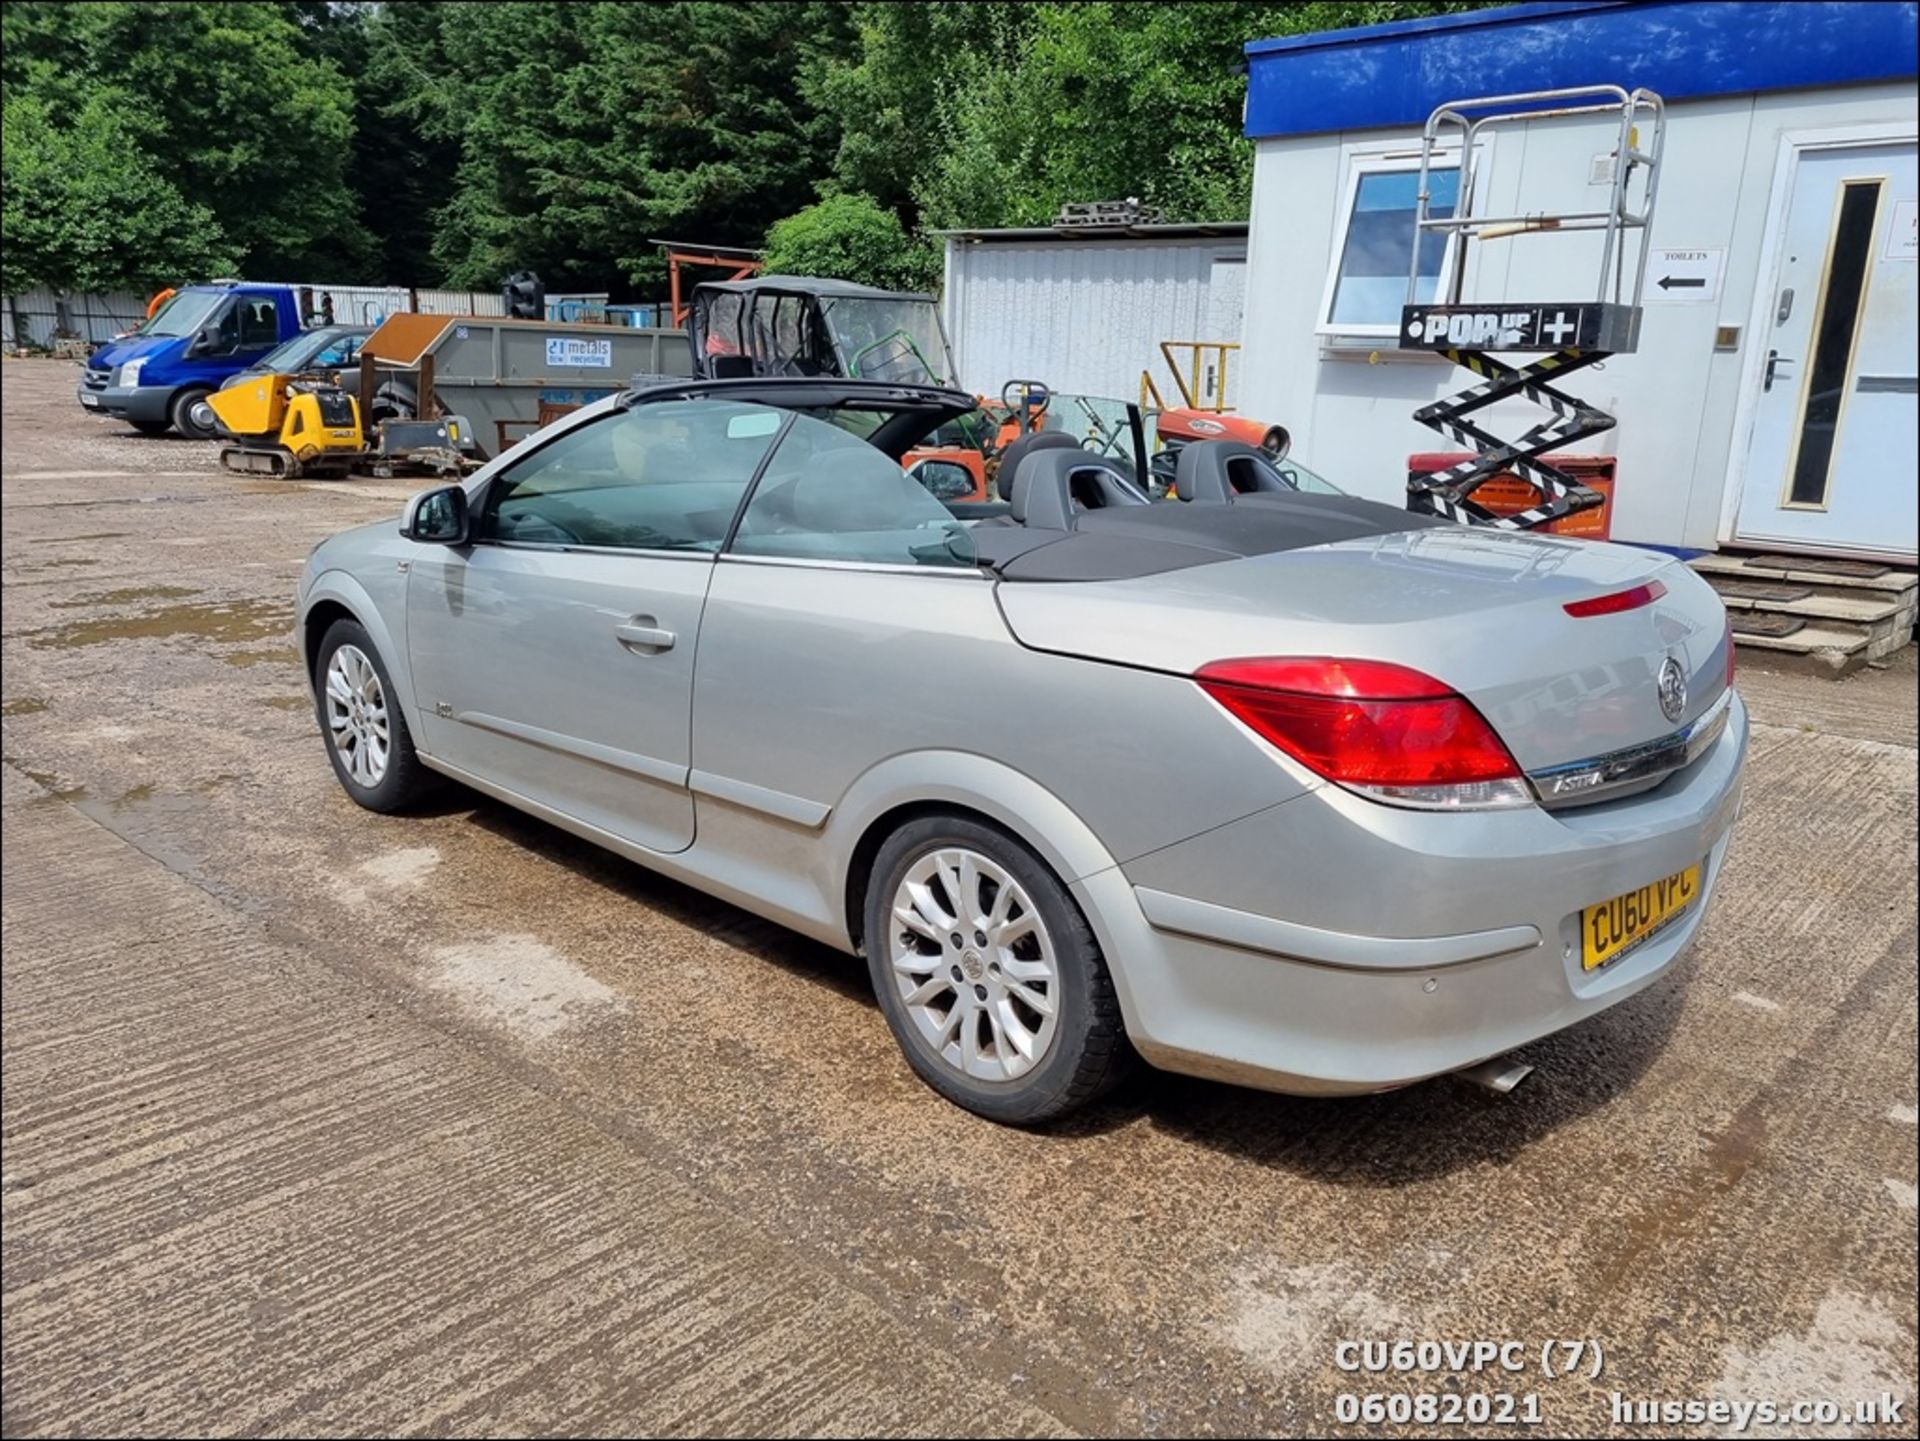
pixel 848 621
pixel 244 329
pixel 553 655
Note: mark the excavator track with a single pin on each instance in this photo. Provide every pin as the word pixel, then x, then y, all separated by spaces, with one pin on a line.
pixel 260 460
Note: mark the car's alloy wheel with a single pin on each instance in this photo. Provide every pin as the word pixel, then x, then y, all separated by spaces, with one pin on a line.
pixel 987 972
pixel 357 721
pixel 974 965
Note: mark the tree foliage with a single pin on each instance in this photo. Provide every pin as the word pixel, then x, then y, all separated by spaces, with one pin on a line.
pixel 454 141
pixel 76 188
pixel 228 107
pixel 585 131
pixel 849 237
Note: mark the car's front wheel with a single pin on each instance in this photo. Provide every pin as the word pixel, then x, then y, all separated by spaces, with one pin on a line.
pixel 988 974
pixel 360 716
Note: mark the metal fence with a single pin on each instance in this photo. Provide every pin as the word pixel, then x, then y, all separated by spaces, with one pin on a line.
pixel 34 317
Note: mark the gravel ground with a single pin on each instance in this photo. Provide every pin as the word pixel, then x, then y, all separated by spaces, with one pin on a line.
pixel 318 1121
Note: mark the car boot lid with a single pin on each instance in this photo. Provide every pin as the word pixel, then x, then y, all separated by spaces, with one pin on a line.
pixel 1483 611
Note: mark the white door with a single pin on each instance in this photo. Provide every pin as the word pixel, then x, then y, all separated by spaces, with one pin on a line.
pixel 1836 436
pixel 1226 301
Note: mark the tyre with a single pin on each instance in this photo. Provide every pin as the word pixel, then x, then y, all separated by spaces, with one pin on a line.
pixel 363 725
pixel 988 974
pixel 152 427
pixel 190 416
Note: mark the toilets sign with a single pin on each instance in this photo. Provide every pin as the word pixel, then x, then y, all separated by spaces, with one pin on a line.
pixel 1685 276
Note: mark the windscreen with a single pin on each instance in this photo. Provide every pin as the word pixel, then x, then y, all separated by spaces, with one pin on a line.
pixel 330 348
pixel 897 340
pixel 185 314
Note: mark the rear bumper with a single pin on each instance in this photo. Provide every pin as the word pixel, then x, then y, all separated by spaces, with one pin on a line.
pixel 1330 945
pixel 127 402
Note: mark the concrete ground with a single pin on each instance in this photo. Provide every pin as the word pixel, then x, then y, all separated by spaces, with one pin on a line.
pixel 318 1121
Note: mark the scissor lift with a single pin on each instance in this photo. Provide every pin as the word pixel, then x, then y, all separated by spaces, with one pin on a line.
pixel 1575 333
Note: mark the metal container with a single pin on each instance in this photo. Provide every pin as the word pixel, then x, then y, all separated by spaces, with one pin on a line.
pixel 510 377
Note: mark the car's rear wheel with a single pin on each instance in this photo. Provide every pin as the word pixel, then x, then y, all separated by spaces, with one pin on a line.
pixel 192 416
pixel 361 718
pixel 988 973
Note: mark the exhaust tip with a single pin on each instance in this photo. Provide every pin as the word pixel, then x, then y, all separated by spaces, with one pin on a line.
pixel 1500 1075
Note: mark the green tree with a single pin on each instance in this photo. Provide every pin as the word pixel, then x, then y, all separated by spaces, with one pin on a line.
pixel 1102 100
pixel 407 132
pixel 78 193
pixel 586 131
pixel 891 94
pixel 849 237
pixel 233 104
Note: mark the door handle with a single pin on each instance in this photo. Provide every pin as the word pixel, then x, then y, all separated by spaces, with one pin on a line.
pixel 642 635
pixel 1774 360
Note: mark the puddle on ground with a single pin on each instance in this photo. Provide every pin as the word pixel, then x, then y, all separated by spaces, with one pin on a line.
pixel 57 785
pixel 247 659
pixel 72 539
pixel 64 560
pixel 149 797
pixel 122 597
pixel 25 705
pixel 287 702
pixel 225 622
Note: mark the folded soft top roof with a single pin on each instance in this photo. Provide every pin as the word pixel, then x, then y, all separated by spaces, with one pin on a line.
pixel 1123 542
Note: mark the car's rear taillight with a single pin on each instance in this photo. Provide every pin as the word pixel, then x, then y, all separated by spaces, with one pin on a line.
pixel 1617 601
pixel 1383 730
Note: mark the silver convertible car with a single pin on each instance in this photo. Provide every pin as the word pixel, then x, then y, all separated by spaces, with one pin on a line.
pixel 1290 789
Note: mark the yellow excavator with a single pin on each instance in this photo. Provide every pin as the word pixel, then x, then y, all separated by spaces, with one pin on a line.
pixel 289 426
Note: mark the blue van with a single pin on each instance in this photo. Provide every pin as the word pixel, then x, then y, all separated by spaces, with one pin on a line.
pixel 159 377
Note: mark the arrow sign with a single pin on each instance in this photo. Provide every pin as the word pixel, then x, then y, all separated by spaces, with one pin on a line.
pixel 1689 275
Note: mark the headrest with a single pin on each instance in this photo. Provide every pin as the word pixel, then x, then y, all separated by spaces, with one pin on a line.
pixel 1034 440
pixel 1214 472
pixel 1054 486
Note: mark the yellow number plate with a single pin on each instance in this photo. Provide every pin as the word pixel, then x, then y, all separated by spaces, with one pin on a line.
pixel 1612 928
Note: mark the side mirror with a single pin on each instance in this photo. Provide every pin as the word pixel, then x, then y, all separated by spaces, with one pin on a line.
pixel 437 517
pixel 202 343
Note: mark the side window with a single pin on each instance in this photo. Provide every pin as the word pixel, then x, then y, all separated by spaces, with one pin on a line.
pixel 259 326
pixel 1368 282
pixel 667 476
pixel 828 495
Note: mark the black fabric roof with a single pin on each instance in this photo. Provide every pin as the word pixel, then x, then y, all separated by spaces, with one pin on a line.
pixel 1120 542
pixel 805 285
